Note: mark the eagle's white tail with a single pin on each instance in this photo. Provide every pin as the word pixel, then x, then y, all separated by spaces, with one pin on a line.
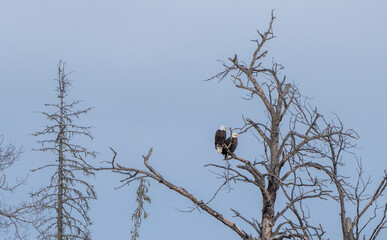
pixel 219 149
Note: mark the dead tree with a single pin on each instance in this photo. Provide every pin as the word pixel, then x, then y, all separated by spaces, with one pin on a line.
pixel 14 218
pixel 65 200
pixel 301 151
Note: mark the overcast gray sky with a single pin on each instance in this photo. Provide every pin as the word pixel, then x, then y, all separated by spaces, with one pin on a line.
pixel 141 65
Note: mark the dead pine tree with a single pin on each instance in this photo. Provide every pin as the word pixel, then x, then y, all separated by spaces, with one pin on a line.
pixel 65 200
pixel 300 155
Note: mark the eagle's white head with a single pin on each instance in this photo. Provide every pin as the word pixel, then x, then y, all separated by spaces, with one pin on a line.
pixel 222 127
pixel 235 135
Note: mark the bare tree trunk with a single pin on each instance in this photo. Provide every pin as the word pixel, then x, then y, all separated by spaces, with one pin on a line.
pixel 60 167
pixel 60 198
pixel 348 235
pixel 267 217
pixel 272 188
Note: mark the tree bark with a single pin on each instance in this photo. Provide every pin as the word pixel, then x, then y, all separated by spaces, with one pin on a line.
pixel 60 169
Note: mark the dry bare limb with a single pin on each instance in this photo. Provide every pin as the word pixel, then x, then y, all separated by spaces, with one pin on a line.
pixel 153 174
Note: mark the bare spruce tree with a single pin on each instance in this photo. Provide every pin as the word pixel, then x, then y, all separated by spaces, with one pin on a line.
pixel 65 200
pixel 301 154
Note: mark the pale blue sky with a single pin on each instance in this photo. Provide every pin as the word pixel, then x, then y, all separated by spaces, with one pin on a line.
pixel 141 65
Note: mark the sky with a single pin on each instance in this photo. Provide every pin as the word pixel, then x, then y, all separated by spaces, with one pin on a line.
pixel 141 66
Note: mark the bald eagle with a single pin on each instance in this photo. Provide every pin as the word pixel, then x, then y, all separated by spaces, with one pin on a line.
pixel 231 143
pixel 220 137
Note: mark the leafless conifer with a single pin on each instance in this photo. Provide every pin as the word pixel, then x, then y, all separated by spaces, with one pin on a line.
pixel 65 200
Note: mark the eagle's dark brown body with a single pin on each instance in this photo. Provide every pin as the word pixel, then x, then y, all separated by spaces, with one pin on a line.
pixel 220 137
pixel 231 143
